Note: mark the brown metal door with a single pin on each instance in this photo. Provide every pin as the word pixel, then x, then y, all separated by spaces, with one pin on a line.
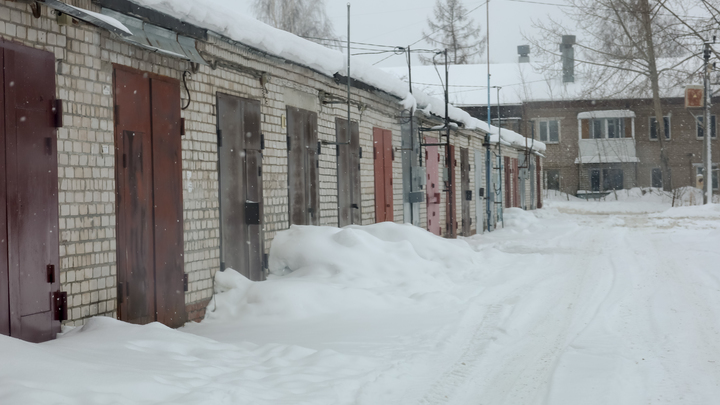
pixel 451 202
pixel 432 164
pixel 4 275
pixel 240 165
pixel 466 193
pixel 167 202
pixel 508 182
pixel 136 273
pixel 538 187
pixel 29 195
pixel 303 174
pixel 149 203
pixel 348 172
pixel 383 156
pixel 516 183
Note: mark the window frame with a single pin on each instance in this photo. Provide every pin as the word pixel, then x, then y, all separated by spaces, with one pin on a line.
pixel 652 171
pixel 668 133
pixel 618 127
pixel 713 118
pixel 537 123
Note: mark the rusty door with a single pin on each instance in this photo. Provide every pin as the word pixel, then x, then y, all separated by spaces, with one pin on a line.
pixel 303 167
pixel 240 167
pixel 348 172
pixel 149 198
pixel 538 187
pixel 516 183
pixel 432 164
pixel 451 201
pixel 508 173
pixel 466 193
pixel 29 251
pixel 383 157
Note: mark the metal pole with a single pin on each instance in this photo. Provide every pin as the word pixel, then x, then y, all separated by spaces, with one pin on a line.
pixel 488 159
pixel 502 199
pixel 707 128
pixel 448 157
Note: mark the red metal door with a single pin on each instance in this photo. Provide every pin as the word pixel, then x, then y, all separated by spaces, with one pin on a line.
pixel 383 156
pixel 30 224
pixel 432 164
pixel 149 203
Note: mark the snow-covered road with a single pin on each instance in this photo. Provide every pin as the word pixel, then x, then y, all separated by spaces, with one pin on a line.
pixel 579 303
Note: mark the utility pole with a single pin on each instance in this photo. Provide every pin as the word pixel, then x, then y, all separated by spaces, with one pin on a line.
pixel 488 160
pixel 707 128
pixel 448 156
pixel 500 157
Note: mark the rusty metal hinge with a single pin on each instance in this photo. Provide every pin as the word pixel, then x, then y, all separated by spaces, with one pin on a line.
pixel 51 273
pixel 59 299
pixel 57 107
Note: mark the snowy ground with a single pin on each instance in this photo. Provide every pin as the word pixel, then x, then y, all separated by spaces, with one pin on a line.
pixel 614 302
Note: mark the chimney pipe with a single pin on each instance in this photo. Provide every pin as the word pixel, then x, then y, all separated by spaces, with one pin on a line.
pixel 568 58
pixel 524 52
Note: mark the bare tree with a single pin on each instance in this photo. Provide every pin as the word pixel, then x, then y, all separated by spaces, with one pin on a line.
pixel 457 31
pixel 629 48
pixel 304 18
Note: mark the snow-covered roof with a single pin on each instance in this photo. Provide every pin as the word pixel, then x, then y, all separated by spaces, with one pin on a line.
pixel 225 18
pixel 525 82
pixel 606 114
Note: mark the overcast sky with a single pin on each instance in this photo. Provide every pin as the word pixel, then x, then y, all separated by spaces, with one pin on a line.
pixel 401 22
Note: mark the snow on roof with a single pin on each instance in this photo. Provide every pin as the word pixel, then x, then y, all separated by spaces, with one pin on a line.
pixel 606 114
pixel 226 19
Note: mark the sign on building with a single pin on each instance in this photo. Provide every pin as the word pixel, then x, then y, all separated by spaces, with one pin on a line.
pixel 694 96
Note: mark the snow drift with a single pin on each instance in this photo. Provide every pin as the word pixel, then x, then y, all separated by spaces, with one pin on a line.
pixel 320 270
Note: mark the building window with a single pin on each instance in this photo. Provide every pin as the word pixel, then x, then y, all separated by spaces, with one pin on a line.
pixel 699 170
pixel 657 178
pixel 607 128
pixel 654 128
pixel 553 179
pixel 613 179
pixel 549 131
pixel 701 130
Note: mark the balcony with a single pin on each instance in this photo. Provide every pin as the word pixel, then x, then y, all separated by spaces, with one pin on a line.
pixel 606 137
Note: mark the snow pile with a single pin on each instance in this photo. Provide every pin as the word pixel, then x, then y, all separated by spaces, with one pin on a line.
pixel 321 270
pixel 226 19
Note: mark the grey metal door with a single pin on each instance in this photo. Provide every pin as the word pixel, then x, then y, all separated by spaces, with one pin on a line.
pixel 348 172
pixel 241 193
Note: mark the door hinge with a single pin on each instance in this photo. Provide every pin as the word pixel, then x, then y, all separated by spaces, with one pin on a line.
pixel 374 153
pixel 186 282
pixel 289 142
pixel 57 108
pixel 360 153
pixel 219 138
pixel 182 126
pixel 51 273
pixel 120 293
pixel 60 305
pixel 259 171
pixel 262 141
pixel 117 111
pixel 124 162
